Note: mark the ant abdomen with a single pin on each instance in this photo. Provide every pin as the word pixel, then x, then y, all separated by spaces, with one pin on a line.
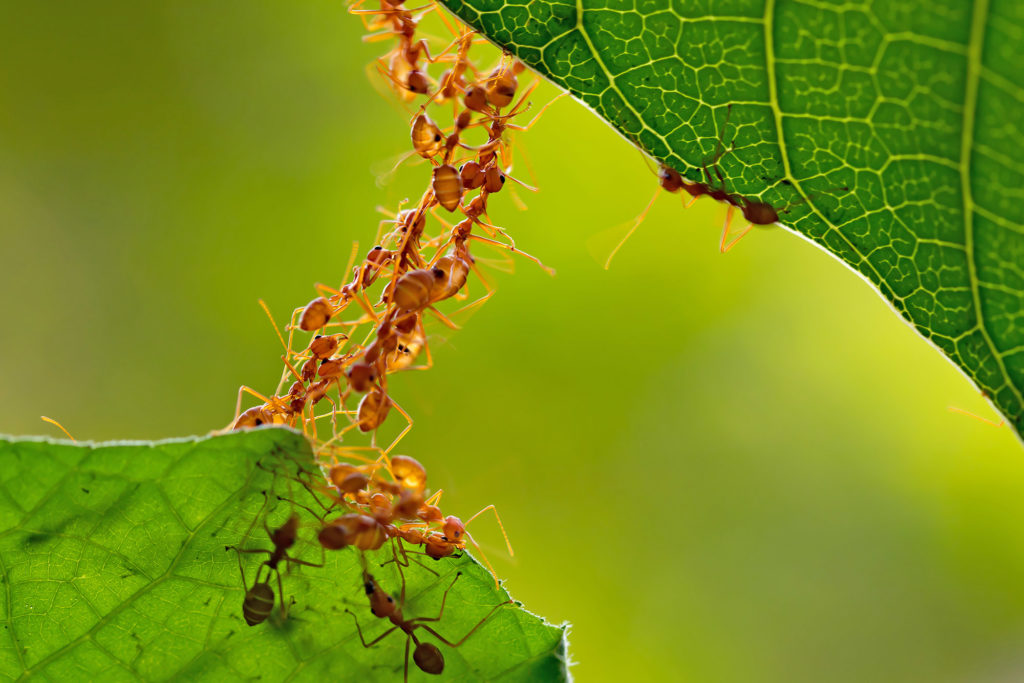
pixel 447 185
pixel 428 658
pixel 258 604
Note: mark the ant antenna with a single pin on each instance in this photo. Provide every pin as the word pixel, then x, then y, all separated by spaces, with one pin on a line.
pixel 58 425
pixel 954 409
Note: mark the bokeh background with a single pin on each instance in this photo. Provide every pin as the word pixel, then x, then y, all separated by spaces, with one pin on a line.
pixel 718 468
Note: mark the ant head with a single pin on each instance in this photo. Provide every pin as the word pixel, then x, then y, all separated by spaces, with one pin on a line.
pixel 669 179
pixel 428 658
pixel 436 548
pixel 454 528
pixel 417 82
pixel 475 99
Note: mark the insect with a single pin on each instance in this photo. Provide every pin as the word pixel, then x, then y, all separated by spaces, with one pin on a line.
pixel 340 371
pixel 427 656
pixel 258 603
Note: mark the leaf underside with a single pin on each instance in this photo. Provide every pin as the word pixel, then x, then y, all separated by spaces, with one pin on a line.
pixel 113 567
pixel 916 106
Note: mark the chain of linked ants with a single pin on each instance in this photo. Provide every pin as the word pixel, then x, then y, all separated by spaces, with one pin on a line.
pixel 374 325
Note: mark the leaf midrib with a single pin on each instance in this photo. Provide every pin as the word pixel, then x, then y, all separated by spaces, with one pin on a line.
pixel 979 21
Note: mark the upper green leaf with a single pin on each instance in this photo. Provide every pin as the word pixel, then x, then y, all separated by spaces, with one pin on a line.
pixel 917 107
pixel 113 566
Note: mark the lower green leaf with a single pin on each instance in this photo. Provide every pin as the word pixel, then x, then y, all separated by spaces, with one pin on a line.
pixel 115 563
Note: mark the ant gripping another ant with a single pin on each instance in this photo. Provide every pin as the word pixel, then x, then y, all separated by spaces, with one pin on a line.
pixel 342 373
pixel 377 509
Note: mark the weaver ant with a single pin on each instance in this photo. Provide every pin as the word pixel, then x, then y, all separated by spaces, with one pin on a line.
pixel 426 656
pixel 259 600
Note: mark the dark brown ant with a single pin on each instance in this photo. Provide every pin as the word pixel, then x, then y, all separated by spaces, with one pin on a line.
pixel 426 656
pixel 259 600
pixel 756 212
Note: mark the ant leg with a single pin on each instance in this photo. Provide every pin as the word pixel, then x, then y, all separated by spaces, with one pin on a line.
pixel 475 304
pixel 405 554
pixel 483 556
pixel 719 144
pixel 460 35
pixel 723 247
pixel 59 426
pixel 277 330
pixel 426 348
pixel 249 551
pixel 405 431
pixel 444 599
pixel 636 224
pixel 304 563
pixel 248 531
pixel 359 630
pixel 443 318
pixel 418 562
pixel 352 257
pixel 440 219
pixel 401 574
pixel 471 631
pixel 538 114
pixel 494 231
pixel 550 271
pixel 531 188
pixel 500 525
pixel 406 671
pixel 954 409
pixel 280 587
pixel 309 509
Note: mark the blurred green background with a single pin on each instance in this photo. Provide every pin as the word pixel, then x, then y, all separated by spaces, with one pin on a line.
pixel 718 468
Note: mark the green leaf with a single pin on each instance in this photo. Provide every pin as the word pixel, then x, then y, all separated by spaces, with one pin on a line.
pixel 113 566
pixel 916 106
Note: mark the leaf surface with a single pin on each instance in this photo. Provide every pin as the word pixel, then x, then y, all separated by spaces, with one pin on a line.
pixel 916 106
pixel 113 567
